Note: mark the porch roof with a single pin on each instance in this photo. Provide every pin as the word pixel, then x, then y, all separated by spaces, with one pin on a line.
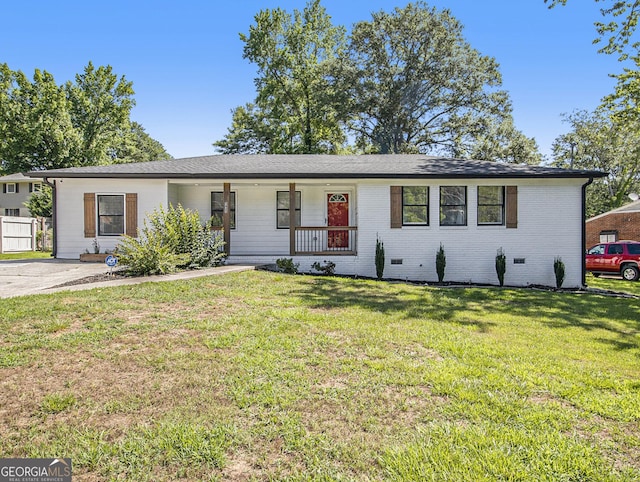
pixel 315 166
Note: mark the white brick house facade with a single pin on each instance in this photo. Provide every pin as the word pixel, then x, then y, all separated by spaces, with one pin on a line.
pixel 546 205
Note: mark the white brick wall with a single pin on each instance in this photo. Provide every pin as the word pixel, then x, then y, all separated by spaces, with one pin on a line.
pixel 549 225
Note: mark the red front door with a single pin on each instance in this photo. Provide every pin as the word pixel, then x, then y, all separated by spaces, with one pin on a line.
pixel 338 215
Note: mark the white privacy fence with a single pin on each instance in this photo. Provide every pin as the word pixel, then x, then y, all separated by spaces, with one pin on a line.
pixel 17 234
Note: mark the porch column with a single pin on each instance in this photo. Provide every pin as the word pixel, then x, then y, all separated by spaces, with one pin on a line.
pixel 292 219
pixel 226 217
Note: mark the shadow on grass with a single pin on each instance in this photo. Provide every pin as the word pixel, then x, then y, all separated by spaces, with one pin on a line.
pixel 619 316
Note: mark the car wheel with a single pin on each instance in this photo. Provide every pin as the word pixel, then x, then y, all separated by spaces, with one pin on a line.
pixel 630 272
pixel 596 275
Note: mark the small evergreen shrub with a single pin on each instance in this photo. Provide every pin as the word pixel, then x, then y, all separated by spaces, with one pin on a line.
pixel 286 265
pixel 441 263
pixel 558 269
pixel 170 240
pixel 379 258
pixel 501 266
pixel 328 268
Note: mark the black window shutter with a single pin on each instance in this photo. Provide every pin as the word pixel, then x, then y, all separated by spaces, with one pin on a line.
pixel 17 187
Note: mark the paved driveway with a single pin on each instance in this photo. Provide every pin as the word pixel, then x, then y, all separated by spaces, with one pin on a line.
pixel 29 276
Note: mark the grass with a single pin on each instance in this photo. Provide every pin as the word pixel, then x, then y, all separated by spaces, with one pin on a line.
pixel 614 284
pixel 264 376
pixel 25 255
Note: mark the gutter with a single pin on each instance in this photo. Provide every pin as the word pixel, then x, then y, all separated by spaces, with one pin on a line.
pixel 54 215
pixel 584 230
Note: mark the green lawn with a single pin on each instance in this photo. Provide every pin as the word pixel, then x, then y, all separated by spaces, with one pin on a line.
pixel 25 255
pixel 263 376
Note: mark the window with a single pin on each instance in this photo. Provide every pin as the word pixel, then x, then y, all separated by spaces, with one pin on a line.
pixel 12 212
pixel 615 249
pixel 599 249
pixel 415 206
pixel 217 209
pixel 11 188
pixel 633 248
pixel 35 187
pixel 282 209
pixel 608 236
pixel 453 206
pixel 110 214
pixel 491 205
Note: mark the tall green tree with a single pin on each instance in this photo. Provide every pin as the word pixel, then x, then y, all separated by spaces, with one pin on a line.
pixel 36 129
pixel 416 85
pixel 100 104
pixel 597 141
pixel 44 125
pixel 296 109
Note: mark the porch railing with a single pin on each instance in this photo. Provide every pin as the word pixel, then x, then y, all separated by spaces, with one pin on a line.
pixel 326 240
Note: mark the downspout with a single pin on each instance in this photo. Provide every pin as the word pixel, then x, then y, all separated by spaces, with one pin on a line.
pixel 54 216
pixel 584 230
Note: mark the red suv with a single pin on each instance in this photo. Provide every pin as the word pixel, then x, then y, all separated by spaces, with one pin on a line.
pixel 621 257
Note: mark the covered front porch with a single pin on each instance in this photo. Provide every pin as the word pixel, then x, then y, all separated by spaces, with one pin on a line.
pixel 274 218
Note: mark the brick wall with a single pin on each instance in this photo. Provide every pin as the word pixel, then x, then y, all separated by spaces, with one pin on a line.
pixel 627 225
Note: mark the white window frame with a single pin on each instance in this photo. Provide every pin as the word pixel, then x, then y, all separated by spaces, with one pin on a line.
pixel 7 212
pixel 11 188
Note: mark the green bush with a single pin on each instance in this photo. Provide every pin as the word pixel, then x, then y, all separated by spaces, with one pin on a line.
pixel 558 269
pixel 501 266
pixel 286 265
pixel 170 240
pixel 379 258
pixel 441 263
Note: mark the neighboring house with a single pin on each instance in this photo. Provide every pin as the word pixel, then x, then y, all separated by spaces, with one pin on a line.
pixel 16 190
pixel 618 224
pixel 333 208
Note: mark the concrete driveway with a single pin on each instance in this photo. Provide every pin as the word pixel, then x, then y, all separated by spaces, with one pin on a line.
pixel 30 276
pixel 36 276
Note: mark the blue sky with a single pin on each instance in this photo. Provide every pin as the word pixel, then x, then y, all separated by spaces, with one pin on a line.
pixel 185 58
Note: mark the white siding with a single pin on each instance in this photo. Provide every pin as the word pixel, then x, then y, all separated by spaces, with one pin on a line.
pixel 70 207
pixel 549 225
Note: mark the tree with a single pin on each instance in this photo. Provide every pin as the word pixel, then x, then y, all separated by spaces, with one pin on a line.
pixel 621 21
pixel 40 204
pixel 133 144
pixel 36 130
pixel 597 142
pixel 416 85
pixel 296 109
pixel 504 143
pixel 44 125
pixel 100 105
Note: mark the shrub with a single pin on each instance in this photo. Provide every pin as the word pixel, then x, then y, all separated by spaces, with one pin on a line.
pixel 501 265
pixel 558 269
pixel 379 258
pixel 441 263
pixel 286 265
pixel 170 240
pixel 329 268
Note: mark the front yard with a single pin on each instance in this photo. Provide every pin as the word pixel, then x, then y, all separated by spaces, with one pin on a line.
pixel 259 375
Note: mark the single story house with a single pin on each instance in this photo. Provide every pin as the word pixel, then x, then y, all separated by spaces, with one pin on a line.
pixel 334 208
pixel 16 189
pixel 615 225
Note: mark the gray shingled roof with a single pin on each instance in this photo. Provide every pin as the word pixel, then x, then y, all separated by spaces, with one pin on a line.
pixel 17 177
pixel 314 166
pixel 632 207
